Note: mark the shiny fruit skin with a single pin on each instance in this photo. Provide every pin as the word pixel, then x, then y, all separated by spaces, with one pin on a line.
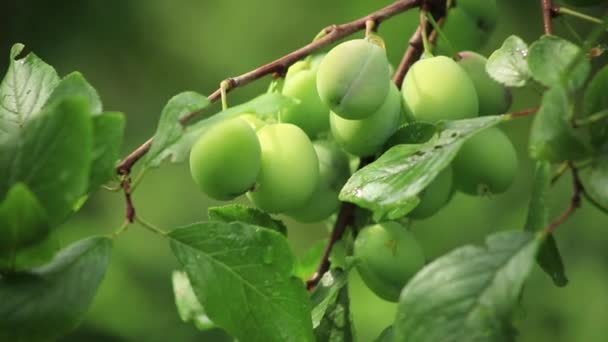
pixel 289 171
pixel 493 97
pixel 225 161
pixel 435 196
pixel 387 255
pixel 334 170
pixel 353 78
pixel 437 89
pixel 311 114
pixel 367 136
pixel 486 163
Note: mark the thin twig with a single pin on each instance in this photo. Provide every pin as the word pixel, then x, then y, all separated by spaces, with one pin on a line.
pixel 523 112
pixel 575 201
pixel 125 184
pixel 333 33
pixel 547 7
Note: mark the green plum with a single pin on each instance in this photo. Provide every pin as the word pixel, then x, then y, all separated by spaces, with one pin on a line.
pixel 310 114
pixel 367 136
pixel 435 196
pixel 353 78
pixel 437 89
pixel 334 170
pixel 493 97
pixel 583 3
pixel 486 163
pixel 484 11
pixel 289 172
pixel 387 256
pixel 226 159
pixel 253 120
pixel 308 63
pixel 461 32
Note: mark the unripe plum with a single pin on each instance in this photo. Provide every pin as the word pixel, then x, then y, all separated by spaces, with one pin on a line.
pixel 435 196
pixel 367 136
pixel 353 78
pixel 387 255
pixel 311 114
pixel 225 160
pixel 461 32
pixel 437 89
pixel 289 172
pixel 253 120
pixel 486 163
pixel 334 170
pixel 493 97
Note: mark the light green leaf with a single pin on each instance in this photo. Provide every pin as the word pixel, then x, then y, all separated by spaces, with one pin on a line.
pixel 25 88
pixel 170 130
pixel 391 184
pixel 75 84
pixel 331 315
pixel 549 257
pixel 412 133
pixel 49 301
pixel 508 64
pixel 553 60
pixel 552 137
pixel 108 132
pixel 188 306
pixel 236 212
pixel 469 294
pixel 23 221
pixel 51 155
pixel 595 181
pixel 242 276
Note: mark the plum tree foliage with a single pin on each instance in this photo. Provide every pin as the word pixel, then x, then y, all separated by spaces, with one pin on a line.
pixel 345 139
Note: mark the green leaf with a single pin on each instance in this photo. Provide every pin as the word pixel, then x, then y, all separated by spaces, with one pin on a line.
pixel 331 315
pixel 25 88
pixel 242 276
pixel 51 155
pixel 549 257
pixel 266 103
pixel 188 306
pixel 22 220
pixel 595 181
pixel 390 185
pixel 553 60
pixel 236 212
pixel 508 64
pixel 108 132
pixel 469 294
pixel 412 133
pixel 386 335
pixel 75 84
pixel 32 256
pixel 170 130
pixel 595 101
pixel 307 264
pixel 49 301
pixel 552 137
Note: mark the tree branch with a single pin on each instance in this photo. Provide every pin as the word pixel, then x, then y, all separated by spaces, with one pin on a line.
pixel 333 33
pixel 548 13
pixel 575 201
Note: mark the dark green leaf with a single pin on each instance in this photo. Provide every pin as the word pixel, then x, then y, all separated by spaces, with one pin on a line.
pixel 386 335
pixel 331 308
pixel 236 212
pixel 307 264
pixel 390 185
pixel 52 156
pixel 552 137
pixel 33 255
pixel 75 84
pixel 242 276
pixel 549 257
pixel 469 294
pixel 22 220
pixel 108 131
pixel 595 181
pixel 25 88
pixel 508 64
pixel 595 101
pixel 170 130
pixel 553 60
pixel 412 133
pixel 51 300
pixel 188 306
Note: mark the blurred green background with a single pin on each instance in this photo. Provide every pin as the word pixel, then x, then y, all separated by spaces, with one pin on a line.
pixel 139 53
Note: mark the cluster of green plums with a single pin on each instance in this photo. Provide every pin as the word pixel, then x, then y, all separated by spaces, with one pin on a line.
pixel 348 107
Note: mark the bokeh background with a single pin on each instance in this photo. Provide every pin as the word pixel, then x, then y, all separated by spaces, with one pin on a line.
pixel 138 53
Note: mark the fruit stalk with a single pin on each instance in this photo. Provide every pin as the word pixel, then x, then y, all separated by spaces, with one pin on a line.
pixel 547 7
